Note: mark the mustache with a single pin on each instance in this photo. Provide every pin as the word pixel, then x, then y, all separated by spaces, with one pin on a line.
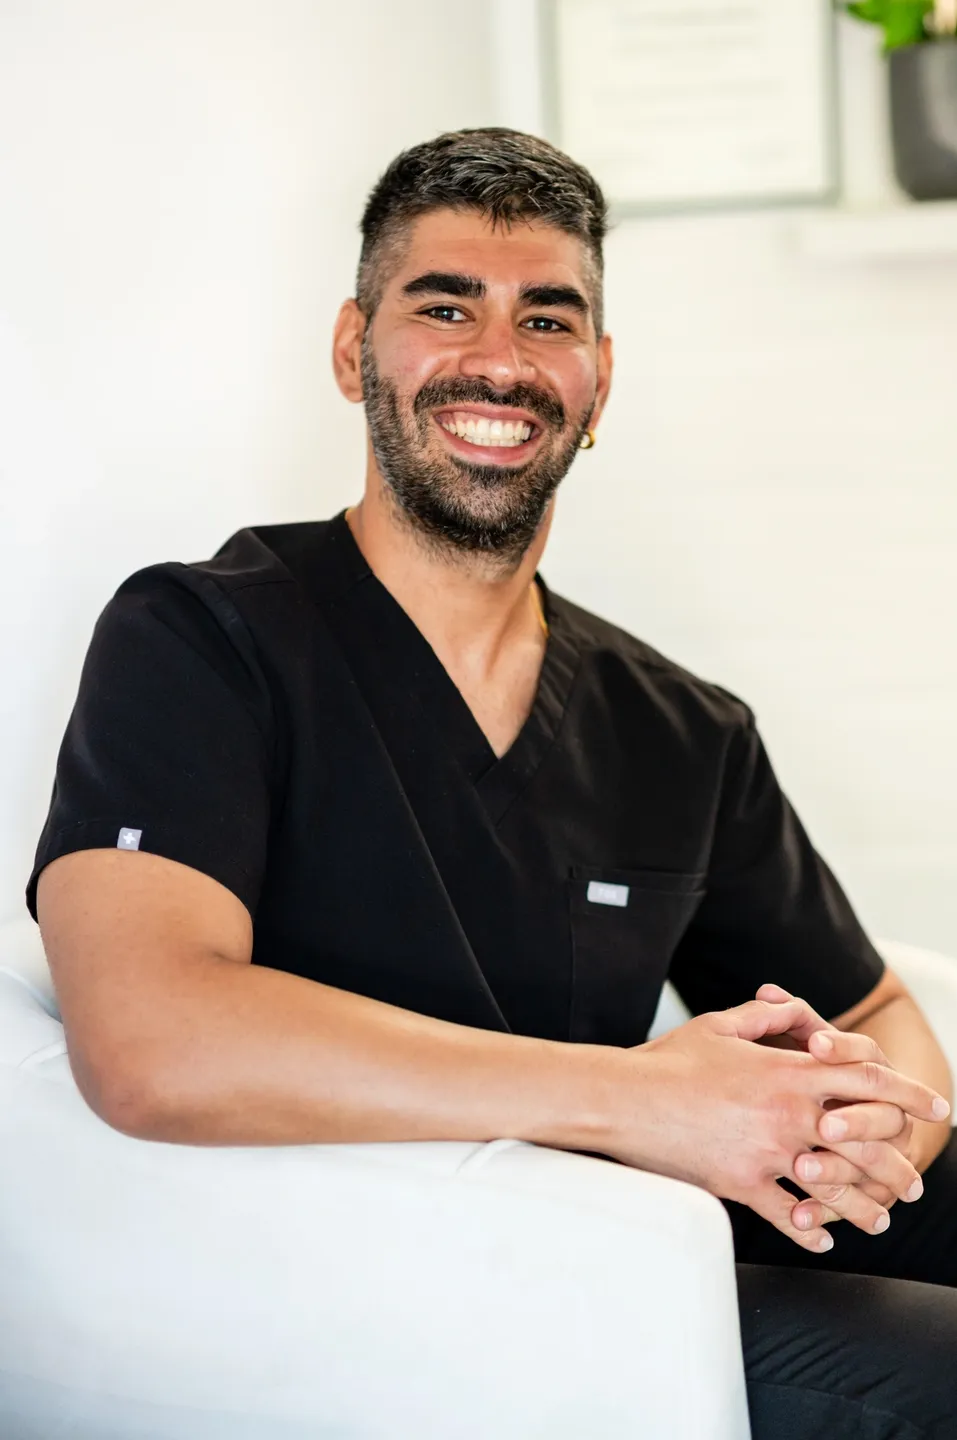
pixel 466 391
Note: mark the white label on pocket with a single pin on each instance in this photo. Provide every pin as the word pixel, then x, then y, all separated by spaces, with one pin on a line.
pixel 599 892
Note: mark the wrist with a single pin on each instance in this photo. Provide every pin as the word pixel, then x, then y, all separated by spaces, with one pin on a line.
pixel 589 1087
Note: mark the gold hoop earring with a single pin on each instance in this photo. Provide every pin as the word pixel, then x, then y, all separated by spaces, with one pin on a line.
pixel 587 440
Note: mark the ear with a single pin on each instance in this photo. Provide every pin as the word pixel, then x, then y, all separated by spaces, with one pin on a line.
pixel 347 350
pixel 604 379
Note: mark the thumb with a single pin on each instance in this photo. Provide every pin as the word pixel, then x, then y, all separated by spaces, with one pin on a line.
pixel 757 1018
pixel 813 1022
pixel 770 991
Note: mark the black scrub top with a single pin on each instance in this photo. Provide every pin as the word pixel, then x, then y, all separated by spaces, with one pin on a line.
pixel 273 718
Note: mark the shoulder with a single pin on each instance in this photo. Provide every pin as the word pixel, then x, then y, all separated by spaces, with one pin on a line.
pixel 208 621
pixel 625 664
pixel 223 588
pixel 261 555
pixel 255 556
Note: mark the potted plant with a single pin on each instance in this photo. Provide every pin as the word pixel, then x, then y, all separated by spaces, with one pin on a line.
pixel 920 41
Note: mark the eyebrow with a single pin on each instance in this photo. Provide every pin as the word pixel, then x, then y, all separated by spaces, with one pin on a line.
pixel 441 282
pixel 563 297
pixel 470 287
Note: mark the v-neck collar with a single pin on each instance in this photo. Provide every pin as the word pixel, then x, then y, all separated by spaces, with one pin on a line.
pixel 411 663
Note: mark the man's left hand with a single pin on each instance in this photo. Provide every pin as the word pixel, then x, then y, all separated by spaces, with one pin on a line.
pixel 875 1153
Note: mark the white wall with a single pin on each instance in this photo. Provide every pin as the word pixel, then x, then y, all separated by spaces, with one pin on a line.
pixel 776 482
pixel 180 188
pixel 772 501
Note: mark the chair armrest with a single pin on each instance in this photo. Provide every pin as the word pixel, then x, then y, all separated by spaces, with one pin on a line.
pixel 443 1290
pixel 22 955
pixel 932 980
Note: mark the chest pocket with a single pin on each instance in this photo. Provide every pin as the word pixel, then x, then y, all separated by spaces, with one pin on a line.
pixel 625 925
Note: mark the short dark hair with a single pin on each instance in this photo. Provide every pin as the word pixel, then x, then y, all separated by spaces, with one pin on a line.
pixel 504 174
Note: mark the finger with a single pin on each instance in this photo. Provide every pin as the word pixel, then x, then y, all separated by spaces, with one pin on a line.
pixel 823 1167
pixel 822 1215
pixel 776 1206
pixel 866 1080
pixel 878 1121
pixel 883 1162
pixel 880 1193
pixel 772 992
pixel 757 1018
pixel 775 994
pixel 875 1161
pixel 840 1047
pixel 811 1021
pixel 847 1202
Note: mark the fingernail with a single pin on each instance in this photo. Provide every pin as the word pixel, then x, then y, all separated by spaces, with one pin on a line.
pixel 834 1129
pixel 881 1223
pixel 803 1220
pixel 940 1108
pixel 824 1042
pixel 811 1169
pixel 826 1242
pixel 916 1190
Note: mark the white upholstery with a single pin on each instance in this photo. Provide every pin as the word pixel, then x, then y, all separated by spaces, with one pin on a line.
pixel 169 1292
pixel 164 1292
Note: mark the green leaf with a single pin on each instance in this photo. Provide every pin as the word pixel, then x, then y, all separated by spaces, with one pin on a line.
pixel 905 24
pixel 873 10
pixel 902 20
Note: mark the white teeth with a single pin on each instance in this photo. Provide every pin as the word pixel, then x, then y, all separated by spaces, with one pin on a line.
pixel 482 431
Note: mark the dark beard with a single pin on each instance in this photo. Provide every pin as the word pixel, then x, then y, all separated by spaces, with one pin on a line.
pixel 457 506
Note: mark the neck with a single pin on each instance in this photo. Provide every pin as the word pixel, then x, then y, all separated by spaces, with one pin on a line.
pixel 468 609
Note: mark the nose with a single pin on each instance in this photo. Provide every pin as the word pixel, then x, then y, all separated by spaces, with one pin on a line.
pixel 495 354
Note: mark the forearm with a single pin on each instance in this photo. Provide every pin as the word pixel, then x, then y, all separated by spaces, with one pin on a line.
pixel 236 1054
pixel 909 1044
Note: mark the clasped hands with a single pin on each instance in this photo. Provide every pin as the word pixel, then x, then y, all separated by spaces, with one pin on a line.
pixel 864 1165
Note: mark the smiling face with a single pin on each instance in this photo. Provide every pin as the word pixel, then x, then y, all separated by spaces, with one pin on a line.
pixel 480 372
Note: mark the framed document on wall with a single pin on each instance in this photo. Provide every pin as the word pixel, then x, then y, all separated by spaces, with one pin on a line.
pixel 687 103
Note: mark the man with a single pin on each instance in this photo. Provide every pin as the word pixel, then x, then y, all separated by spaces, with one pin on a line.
pixel 464 831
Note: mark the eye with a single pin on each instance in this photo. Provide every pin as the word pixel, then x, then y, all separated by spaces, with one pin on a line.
pixel 449 313
pixel 539 322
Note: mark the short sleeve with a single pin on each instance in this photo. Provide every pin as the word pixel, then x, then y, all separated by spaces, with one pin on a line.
pixel 169 746
pixel 772 911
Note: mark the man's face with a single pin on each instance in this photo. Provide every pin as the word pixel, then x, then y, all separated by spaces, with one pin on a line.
pixel 480 373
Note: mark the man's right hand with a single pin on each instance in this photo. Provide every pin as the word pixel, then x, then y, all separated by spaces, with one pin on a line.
pixel 732 1116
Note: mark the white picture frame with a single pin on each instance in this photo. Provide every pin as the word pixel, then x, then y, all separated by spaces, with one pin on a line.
pixel 689 104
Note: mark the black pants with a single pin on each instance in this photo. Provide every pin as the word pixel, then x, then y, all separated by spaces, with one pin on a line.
pixel 862 1341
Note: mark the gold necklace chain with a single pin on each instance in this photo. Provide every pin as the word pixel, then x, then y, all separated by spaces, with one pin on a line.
pixel 536 593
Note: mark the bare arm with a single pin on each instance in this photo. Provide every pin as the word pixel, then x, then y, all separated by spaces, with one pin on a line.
pixel 173 1035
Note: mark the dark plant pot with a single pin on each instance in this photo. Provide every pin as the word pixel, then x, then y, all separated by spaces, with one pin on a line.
pixel 923 82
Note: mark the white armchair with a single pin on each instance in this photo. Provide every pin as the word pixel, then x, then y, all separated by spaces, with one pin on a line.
pixel 446 1290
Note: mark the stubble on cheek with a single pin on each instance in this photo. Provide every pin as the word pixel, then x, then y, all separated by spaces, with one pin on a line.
pixel 456 504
